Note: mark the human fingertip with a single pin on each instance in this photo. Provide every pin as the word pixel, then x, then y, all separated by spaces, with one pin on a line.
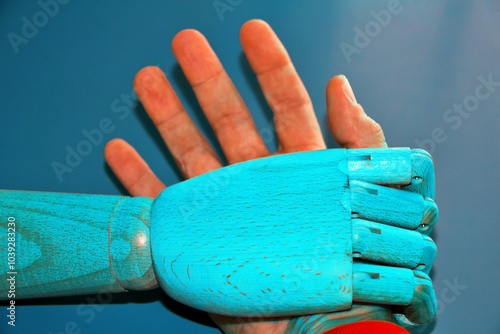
pixel 145 70
pixel 186 33
pixel 340 77
pixel 347 89
pixel 113 146
pixel 185 38
pixel 252 29
pixel 334 84
pixel 254 23
pixel 339 85
pixel 148 79
pixel 113 143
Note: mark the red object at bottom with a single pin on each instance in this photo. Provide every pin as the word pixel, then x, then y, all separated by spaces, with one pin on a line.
pixel 369 327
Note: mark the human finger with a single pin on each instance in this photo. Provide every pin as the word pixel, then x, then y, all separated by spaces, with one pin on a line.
pixel 132 171
pixel 294 118
pixel 218 97
pixel 350 125
pixel 191 151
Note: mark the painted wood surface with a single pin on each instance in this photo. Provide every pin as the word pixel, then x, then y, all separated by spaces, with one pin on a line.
pixel 286 214
pixel 292 234
pixel 423 183
pixel 274 238
pixel 69 244
pixel 382 166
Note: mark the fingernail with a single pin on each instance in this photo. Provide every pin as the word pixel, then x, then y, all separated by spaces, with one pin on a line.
pixel 348 91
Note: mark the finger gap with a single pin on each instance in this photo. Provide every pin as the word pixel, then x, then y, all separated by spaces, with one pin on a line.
pixel 257 101
pixel 155 136
pixel 188 98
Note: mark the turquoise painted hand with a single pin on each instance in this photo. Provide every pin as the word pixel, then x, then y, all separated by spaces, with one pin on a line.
pixel 294 234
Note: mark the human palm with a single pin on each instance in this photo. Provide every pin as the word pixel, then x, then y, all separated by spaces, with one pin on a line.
pixel 296 125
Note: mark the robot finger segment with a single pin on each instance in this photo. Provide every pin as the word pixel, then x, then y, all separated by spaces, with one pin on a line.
pixel 381 166
pixel 391 245
pixel 378 284
pixel 387 205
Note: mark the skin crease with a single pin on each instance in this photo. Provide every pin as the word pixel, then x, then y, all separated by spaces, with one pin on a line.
pixel 296 124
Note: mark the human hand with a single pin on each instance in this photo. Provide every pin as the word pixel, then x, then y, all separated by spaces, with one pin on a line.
pixel 295 121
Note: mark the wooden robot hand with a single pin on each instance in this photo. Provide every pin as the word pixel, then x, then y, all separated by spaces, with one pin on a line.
pixel 294 234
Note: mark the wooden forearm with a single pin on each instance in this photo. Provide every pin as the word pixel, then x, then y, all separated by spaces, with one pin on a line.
pixel 69 244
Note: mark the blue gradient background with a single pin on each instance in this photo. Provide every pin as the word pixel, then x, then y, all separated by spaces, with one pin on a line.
pixel 429 57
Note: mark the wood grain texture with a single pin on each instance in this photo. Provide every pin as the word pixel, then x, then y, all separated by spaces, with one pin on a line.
pixel 423 306
pixel 389 245
pixel 381 166
pixel 274 239
pixel 383 284
pixel 70 244
pixel 387 205
pixel 277 235
pixel 423 183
